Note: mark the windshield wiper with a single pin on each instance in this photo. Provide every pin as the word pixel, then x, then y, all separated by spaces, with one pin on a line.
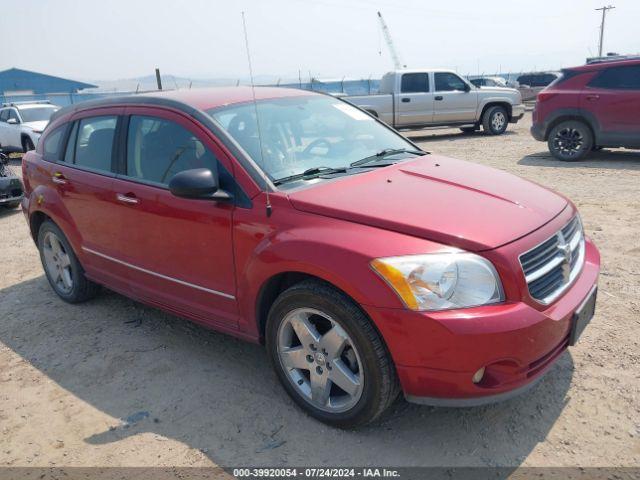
pixel 309 174
pixel 386 153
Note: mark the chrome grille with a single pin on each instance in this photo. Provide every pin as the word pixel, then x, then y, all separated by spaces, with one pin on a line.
pixel 552 266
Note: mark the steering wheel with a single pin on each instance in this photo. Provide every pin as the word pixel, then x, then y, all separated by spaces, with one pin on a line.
pixel 316 143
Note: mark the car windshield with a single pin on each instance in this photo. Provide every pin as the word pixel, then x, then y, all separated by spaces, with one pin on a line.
pixel 306 132
pixel 37 114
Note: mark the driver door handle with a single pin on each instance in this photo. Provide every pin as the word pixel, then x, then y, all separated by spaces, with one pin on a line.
pixel 439 97
pixel 128 198
pixel 406 100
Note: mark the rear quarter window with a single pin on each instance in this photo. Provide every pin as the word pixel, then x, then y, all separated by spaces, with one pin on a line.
pixel 618 78
pixel 52 144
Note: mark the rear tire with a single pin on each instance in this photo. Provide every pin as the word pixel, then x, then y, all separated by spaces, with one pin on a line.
pixel 27 145
pixel 570 141
pixel 308 320
pixel 63 270
pixel 495 120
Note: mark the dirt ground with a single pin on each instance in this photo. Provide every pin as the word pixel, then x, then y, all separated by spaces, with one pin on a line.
pixel 114 383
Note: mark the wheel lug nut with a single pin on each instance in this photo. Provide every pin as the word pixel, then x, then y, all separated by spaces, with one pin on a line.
pixel 312 347
pixel 324 351
pixel 319 370
pixel 309 358
pixel 300 382
pixel 328 366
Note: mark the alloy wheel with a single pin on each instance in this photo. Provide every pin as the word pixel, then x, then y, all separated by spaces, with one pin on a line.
pixel 57 263
pixel 498 121
pixel 568 141
pixel 320 360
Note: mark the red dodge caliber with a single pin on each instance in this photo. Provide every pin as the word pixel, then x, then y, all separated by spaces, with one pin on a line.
pixel 365 265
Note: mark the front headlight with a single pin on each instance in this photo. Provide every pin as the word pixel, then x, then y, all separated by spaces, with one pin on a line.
pixel 441 281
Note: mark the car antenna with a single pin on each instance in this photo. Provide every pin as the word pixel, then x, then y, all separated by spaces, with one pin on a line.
pixel 255 107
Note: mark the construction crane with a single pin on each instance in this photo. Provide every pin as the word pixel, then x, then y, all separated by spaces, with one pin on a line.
pixel 392 49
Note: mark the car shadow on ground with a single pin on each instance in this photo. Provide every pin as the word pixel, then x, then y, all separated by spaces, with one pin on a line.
pixel 164 375
pixel 601 159
pixel 434 135
pixel 7 212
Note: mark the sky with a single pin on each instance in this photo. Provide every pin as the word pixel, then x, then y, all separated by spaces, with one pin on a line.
pixel 202 39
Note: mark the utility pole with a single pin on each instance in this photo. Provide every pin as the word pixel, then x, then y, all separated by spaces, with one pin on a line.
pixel 604 15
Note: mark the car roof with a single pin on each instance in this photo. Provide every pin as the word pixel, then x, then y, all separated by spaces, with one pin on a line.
pixel 27 106
pixel 606 64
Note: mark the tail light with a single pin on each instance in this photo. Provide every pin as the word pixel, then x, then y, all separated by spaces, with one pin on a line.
pixel 544 96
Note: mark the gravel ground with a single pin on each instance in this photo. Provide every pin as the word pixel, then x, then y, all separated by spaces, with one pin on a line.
pixel 114 383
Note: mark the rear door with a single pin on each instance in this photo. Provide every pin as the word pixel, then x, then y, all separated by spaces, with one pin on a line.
pixel 613 97
pixel 455 101
pixel 13 137
pixel 414 103
pixel 4 127
pixel 179 251
pixel 83 176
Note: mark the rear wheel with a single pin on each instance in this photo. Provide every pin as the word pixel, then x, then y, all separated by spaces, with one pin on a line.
pixel 328 356
pixel 27 144
pixel 63 270
pixel 570 141
pixel 495 120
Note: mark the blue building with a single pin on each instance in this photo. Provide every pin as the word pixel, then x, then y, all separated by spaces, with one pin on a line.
pixel 23 82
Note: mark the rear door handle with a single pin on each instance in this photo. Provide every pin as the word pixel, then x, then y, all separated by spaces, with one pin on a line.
pixel 406 100
pixel 439 97
pixel 593 97
pixel 128 198
pixel 59 178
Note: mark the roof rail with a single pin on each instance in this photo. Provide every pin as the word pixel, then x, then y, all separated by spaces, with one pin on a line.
pixel 611 58
pixel 29 102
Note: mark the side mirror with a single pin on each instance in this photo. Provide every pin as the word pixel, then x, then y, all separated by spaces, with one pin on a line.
pixel 12 121
pixel 467 88
pixel 198 183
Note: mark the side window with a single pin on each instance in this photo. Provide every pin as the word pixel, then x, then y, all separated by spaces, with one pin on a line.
pixel 4 115
pixel 13 114
pixel 157 149
pixel 94 142
pixel 618 78
pixel 52 144
pixel 448 82
pixel 70 151
pixel 415 83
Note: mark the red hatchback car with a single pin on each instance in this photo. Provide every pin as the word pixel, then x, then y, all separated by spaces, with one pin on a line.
pixel 365 265
pixel 590 107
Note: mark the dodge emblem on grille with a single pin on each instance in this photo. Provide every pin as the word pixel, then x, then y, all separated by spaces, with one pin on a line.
pixel 565 249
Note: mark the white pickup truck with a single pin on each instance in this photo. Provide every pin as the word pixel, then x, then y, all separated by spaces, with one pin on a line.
pixel 434 97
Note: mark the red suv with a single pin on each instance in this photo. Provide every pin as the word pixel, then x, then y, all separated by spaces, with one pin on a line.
pixel 365 265
pixel 590 107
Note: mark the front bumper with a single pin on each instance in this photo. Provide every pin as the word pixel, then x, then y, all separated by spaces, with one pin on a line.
pixel 437 353
pixel 517 112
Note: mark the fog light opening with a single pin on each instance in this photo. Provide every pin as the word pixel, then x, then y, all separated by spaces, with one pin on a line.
pixel 477 377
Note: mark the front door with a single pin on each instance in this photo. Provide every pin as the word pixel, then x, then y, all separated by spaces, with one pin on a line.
pixel 455 101
pixel 414 104
pixel 179 250
pixel 613 97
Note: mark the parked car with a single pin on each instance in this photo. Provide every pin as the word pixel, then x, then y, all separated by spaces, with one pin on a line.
pixel 530 84
pixel 590 107
pixel 424 98
pixel 365 265
pixel 21 124
pixel 488 82
pixel 10 184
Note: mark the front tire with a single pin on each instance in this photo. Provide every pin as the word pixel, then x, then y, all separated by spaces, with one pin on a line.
pixel 328 356
pixel 570 141
pixel 63 270
pixel 27 145
pixel 495 120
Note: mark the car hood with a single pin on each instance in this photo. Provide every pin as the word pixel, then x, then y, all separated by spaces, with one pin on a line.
pixel 453 202
pixel 37 126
